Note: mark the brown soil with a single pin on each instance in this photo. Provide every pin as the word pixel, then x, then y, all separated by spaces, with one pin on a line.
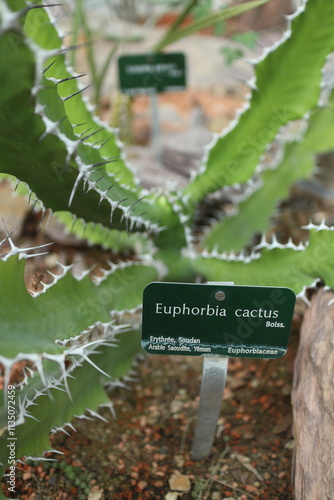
pixel 135 455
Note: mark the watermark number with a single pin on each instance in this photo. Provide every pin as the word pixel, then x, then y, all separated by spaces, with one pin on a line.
pixel 11 438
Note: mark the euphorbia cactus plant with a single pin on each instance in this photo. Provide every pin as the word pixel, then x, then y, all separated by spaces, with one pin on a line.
pixel 73 164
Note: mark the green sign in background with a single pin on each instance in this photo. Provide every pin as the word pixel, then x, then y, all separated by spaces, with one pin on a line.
pixel 151 73
pixel 189 319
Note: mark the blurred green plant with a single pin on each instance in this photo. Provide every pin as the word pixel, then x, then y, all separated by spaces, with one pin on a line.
pixel 248 39
pixel 82 34
pixel 78 338
pixel 203 9
pixel 176 32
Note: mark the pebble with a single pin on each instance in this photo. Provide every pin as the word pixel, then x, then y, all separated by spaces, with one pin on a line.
pixel 142 485
pixel 290 444
pixel 171 495
pixel 216 496
pixel 176 406
pixel 112 457
pixel 95 495
pixel 179 461
pixel 282 474
pixel 249 487
pixel 179 482
pixel 286 390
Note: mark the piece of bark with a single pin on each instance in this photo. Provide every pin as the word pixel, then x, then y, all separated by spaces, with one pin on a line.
pixel 313 403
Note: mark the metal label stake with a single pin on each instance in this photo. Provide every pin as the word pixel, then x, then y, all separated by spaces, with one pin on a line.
pixel 211 396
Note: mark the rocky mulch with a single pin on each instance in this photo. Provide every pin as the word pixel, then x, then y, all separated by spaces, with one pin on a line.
pixel 144 453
